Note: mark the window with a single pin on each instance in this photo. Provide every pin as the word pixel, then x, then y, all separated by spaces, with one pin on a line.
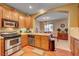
pixel 48 28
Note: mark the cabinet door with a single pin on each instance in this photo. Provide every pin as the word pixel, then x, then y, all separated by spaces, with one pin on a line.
pixel 76 47
pixel 21 21
pixel 1 10
pixel 28 21
pixel 24 40
pixel 45 42
pixel 15 15
pixel 72 45
pixel 37 41
pixel 6 13
pixel 2 47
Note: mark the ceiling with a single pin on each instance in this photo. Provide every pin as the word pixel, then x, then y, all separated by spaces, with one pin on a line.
pixel 32 8
pixel 52 16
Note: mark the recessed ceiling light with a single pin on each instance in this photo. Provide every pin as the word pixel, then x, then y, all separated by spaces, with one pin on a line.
pixel 21 17
pixel 30 7
pixel 46 17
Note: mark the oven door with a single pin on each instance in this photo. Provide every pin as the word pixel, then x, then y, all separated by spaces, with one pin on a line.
pixel 12 42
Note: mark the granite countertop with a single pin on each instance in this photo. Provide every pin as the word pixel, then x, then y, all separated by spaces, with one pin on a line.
pixel 1 37
pixel 45 34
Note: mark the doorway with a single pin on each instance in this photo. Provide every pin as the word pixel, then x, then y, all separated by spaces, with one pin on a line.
pixel 59 21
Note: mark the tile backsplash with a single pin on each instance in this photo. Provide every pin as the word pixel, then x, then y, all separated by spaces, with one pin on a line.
pixel 8 29
pixel 23 30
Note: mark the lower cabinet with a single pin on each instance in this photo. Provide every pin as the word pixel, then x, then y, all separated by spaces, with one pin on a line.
pixel 2 47
pixel 75 46
pixel 24 40
pixel 37 41
pixel 42 42
pixel 45 42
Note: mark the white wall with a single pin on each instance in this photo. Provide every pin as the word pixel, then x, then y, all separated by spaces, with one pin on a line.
pixel 57 23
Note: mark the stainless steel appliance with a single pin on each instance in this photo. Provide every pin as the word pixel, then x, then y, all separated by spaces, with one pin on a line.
pixel 12 43
pixel 31 40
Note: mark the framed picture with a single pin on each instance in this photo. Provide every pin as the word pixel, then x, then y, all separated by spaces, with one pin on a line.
pixel 9 23
pixel 62 25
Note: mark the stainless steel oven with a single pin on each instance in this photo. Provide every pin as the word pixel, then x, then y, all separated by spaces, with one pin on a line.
pixel 12 43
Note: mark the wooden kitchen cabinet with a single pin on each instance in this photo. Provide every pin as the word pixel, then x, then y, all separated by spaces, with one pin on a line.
pixel 75 46
pixel 38 41
pixel 1 11
pixel 28 22
pixel 25 21
pixel 2 47
pixel 72 45
pixel 21 21
pixel 0 22
pixel 24 40
pixel 7 13
pixel 45 42
pixel 15 15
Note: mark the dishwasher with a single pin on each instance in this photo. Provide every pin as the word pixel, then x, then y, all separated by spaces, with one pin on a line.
pixel 31 40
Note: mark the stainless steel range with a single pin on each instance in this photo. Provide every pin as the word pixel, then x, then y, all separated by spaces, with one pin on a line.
pixel 12 43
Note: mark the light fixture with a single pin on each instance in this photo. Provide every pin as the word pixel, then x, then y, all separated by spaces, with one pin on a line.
pixel 42 11
pixel 46 17
pixel 21 17
pixel 30 7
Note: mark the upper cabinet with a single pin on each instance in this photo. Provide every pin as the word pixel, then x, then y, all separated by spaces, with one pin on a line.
pixel 15 15
pixel 21 21
pixel 7 13
pixel 25 21
pixel 1 10
pixel 10 14
pixel 28 22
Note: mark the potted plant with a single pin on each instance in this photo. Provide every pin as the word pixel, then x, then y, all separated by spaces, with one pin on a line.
pixel 66 30
pixel 58 29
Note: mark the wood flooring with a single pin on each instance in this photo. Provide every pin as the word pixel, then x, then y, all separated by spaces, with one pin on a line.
pixel 28 51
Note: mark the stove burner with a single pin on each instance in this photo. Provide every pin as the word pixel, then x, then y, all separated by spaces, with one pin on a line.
pixel 10 35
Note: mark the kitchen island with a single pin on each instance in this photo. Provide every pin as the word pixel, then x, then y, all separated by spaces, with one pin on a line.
pixel 38 40
pixel 45 34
